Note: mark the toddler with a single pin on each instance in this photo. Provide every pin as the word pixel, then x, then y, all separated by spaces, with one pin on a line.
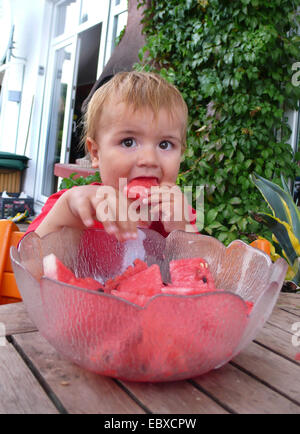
pixel 134 126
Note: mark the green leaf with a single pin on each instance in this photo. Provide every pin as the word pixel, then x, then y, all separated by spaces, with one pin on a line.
pixel 282 235
pixel 284 184
pixel 71 182
pixel 235 201
pixel 234 219
pixel 281 203
pixel 211 216
pixel 222 236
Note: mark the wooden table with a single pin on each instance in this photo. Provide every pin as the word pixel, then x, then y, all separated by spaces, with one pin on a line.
pixel 264 378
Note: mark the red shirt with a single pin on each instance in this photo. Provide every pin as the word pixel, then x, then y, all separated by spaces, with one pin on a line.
pixel 156 225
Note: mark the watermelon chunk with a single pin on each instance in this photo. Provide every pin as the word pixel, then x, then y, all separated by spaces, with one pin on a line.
pixel 192 272
pixel 137 266
pixel 140 187
pixel 56 270
pixel 147 282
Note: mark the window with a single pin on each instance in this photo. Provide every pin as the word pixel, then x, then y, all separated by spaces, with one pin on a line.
pixel 120 22
pixel 66 17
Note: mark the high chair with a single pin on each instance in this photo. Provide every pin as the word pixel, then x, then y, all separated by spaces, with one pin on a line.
pixel 9 236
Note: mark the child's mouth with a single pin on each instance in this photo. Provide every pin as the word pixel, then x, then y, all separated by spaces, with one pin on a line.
pixel 140 187
pixel 148 179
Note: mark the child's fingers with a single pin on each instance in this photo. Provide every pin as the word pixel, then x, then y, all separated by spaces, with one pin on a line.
pixel 110 227
pixel 122 232
pixel 126 230
pixel 86 213
pixel 112 211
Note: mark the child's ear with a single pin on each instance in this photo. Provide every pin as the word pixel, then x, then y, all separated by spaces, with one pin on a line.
pixel 93 150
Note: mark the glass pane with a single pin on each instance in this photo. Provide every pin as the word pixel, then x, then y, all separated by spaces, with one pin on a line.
pixel 88 10
pixel 66 17
pixel 120 22
pixel 62 78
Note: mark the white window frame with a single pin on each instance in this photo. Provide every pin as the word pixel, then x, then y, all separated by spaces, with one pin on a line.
pixel 115 10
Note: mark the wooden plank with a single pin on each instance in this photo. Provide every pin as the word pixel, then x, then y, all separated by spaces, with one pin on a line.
pixel 178 397
pixel 272 369
pixel 293 311
pixel 282 319
pixel 20 392
pixel 15 319
pixel 290 299
pixel 243 394
pixel 78 390
pixel 289 302
pixel 279 341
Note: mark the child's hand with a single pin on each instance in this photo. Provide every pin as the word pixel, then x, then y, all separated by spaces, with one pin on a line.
pixel 170 206
pixel 112 211
pixel 107 205
pixel 80 206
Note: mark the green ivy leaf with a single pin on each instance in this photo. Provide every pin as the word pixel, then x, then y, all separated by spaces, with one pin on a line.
pixel 235 201
pixel 211 215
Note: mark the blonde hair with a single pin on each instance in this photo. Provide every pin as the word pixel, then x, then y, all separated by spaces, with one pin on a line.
pixel 140 90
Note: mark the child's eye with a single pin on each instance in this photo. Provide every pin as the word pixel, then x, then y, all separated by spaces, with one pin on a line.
pixel 165 145
pixel 128 143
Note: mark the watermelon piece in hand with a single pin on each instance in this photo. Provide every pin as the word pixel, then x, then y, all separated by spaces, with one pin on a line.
pixel 56 270
pixel 139 188
pixel 191 272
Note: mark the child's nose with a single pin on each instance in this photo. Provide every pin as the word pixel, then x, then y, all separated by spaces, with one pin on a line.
pixel 147 156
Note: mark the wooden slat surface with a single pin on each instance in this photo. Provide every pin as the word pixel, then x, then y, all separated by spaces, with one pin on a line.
pixel 15 318
pixel 289 302
pixel 283 319
pixel 244 394
pixel 271 368
pixel 20 392
pixel 80 391
pixel 175 398
pixel 278 341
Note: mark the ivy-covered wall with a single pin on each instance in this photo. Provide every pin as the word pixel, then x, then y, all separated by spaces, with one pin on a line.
pixel 232 60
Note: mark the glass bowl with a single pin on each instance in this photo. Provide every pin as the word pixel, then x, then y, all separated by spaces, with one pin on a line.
pixel 172 337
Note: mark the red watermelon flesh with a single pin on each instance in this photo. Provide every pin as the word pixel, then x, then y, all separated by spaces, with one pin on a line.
pixel 56 270
pixel 137 266
pixel 140 187
pixel 192 272
pixel 147 282
pixel 139 282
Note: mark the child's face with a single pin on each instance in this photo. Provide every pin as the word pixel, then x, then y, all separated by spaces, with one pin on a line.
pixel 131 144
